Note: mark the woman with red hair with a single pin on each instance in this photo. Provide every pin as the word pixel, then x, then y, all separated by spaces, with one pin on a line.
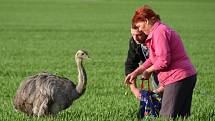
pixel 167 58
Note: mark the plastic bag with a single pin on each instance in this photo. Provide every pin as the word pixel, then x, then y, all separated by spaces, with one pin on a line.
pixel 150 103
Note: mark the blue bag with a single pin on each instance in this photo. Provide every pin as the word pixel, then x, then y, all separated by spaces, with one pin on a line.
pixel 150 103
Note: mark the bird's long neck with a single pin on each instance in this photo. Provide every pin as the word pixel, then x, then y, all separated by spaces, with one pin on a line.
pixel 82 77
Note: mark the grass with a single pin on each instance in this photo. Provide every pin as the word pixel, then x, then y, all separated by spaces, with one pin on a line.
pixel 43 35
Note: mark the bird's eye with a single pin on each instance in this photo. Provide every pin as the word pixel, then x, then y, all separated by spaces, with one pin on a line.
pixel 82 53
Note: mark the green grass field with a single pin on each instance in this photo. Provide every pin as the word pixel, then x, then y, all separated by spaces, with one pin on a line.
pixel 44 35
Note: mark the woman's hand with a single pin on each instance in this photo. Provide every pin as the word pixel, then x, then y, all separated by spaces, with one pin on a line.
pixel 159 90
pixel 130 78
pixel 146 75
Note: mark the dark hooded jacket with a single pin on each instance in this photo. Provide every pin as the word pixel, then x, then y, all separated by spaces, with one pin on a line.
pixel 134 57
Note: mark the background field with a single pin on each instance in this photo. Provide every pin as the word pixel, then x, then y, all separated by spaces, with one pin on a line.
pixel 43 35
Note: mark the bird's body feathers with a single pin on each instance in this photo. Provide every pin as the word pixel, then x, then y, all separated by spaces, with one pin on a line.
pixel 41 93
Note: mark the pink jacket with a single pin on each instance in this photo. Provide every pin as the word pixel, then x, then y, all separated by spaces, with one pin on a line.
pixel 167 55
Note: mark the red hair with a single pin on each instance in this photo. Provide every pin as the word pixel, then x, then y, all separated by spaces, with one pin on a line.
pixel 143 13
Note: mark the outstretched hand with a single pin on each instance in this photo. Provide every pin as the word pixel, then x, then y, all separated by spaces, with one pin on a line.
pixel 130 78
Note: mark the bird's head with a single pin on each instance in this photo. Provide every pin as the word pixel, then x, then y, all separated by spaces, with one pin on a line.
pixel 81 54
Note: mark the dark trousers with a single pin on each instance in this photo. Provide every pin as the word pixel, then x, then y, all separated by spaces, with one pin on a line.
pixel 177 98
